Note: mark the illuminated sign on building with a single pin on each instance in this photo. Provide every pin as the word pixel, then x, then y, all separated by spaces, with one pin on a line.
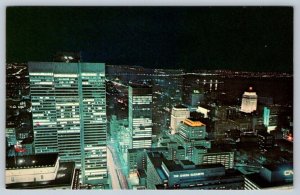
pixel 288 172
pixel 189 174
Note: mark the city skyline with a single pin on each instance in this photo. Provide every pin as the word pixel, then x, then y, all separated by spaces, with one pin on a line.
pixel 238 38
pixel 150 98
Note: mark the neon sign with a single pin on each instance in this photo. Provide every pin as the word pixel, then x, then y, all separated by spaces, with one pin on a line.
pixel 288 172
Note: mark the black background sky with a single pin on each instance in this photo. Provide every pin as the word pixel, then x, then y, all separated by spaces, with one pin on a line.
pixel 238 38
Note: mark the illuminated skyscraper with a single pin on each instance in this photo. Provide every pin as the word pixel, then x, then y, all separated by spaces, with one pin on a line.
pixel 249 101
pixel 69 114
pixel 266 116
pixel 179 113
pixel 140 116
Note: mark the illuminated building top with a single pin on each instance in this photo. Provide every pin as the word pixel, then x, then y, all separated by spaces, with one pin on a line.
pixel 193 123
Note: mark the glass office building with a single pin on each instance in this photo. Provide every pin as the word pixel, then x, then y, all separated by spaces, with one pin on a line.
pixel 69 114
pixel 140 116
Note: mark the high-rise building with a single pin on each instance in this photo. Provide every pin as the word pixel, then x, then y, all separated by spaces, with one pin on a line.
pixel 140 115
pixel 249 101
pixel 69 115
pixel 192 133
pixel 179 113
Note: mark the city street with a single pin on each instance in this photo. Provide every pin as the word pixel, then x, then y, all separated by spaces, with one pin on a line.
pixel 118 178
pixel 112 171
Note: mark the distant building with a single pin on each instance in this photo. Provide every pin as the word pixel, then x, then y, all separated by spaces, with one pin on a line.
pixel 270 117
pixel 265 101
pixel 168 174
pixel 43 171
pixel 273 176
pixel 179 113
pixel 249 101
pixel 203 111
pixel 265 140
pixel 196 98
pixel 69 115
pixel 140 115
pixel 11 136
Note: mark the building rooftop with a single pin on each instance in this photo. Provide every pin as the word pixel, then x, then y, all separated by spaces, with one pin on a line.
pixel 157 159
pixel 173 166
pixel 278 167
pixel 31 161
pixel 200 147
pixel 133 150
pixel 28 140
pixel 138 85
pixel 180 106
pixel 250 94
pixel 64 178
pixel 193 123
pixel 230 174
pixel 187 162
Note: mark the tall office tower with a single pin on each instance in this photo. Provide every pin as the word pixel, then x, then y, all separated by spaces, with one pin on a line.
pixel 140 115
pixel 69 114
pixel 249 101
pixel 179 113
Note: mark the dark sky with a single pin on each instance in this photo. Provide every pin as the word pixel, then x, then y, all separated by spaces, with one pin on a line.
pixel 239 38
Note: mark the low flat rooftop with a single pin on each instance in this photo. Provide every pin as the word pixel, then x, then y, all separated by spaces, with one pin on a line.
pixel 180 106
pixel 63 178
pixel 172 166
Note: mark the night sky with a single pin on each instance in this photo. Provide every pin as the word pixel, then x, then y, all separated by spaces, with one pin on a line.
pixel 238 38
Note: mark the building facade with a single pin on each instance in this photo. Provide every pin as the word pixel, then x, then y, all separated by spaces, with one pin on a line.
pixel 203 156
pixel 192 133
pixel 69 114
pixel 249 101
pixel 179 113
pixel 140 116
